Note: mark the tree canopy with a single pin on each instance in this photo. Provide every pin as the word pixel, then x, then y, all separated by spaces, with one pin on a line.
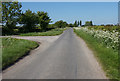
pixel 88 23
pixel 11 12
pixel 80 23
pixel 60 24
pixel 28 19
pixel 43 20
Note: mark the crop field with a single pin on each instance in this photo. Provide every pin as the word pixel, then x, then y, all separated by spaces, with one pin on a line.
pixel 104 43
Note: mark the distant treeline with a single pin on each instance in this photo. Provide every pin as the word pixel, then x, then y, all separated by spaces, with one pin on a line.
pixel 14 21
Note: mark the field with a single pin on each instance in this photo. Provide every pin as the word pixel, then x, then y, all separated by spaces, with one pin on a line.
pixel 104 43
pixel 13 49
pixel 52 32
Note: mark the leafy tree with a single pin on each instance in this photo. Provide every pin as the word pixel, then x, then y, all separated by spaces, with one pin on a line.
pixel 29 20
pixel 88 23
pixel 91 24
pixel 43 20
pixel 80 23
pixel 75 24
pixel 10 14
pixel 70 25
pixel 60 24
pixel 65 24
pixel 51 26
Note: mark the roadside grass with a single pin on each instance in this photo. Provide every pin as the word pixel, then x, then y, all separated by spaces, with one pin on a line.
pixel 14 49
pixel 107 57
pixel 52 32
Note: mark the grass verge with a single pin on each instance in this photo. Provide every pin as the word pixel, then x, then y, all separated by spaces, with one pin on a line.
pixel 14 49
pixel 52 32
pixel 107 57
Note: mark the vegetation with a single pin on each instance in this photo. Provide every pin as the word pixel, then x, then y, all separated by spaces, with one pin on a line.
pixel 88 23
pixel 76 24
pixel 70 25
pixel 80 23
pixel 13 49
pixel 60 24
pixel 106 28
pixel 43 20
pixel 52 32
pixel 108 57
pixel 109 39
pixel 102 39
pixel 28 19
pixel 11 12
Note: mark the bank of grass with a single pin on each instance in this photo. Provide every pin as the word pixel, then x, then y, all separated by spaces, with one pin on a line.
pixel 107 57
pixel 52 32
pixel 14 49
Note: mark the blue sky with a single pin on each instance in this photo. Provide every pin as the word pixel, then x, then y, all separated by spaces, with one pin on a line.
pixel 98 12
pixel 68 0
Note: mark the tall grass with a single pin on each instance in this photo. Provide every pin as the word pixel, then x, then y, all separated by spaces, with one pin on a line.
pixel 13 49
pixel 106 56
pixel 53 32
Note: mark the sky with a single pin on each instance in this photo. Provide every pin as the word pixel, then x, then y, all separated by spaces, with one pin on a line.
pixel 68 0
pixel 119 13
pixel 98 12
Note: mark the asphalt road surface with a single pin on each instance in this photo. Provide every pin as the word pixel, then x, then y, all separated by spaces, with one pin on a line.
pixel 66 58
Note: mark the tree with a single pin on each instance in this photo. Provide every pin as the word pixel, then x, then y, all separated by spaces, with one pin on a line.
pixel 43 20
pixel 70 25
pixel 88 23
pixel 51 26
pixel 60 24
pixel 29 20
pixel 80 23
pixel 10 14
pixel 91 24
pixel 65 24
pixel 75 24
